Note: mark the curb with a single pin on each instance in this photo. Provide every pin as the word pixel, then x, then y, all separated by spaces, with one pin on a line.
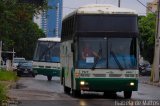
pixel 151 83
pixel 9 84
pixel 9 101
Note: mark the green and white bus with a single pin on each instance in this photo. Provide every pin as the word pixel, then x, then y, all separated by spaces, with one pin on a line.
pixel 111 32
pixel 46 60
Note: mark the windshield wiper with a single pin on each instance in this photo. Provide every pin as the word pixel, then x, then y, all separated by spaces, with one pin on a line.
pixel 45 51
pixel 116 60
pixel 97 59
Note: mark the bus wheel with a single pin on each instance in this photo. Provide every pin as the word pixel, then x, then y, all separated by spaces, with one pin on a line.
pixel 76 93
pixel 67 90
pixel 127 94
pixel 62 76
pixel 49 78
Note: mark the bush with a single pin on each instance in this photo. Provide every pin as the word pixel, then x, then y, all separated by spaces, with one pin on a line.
pixel 2 93
pixel 7 76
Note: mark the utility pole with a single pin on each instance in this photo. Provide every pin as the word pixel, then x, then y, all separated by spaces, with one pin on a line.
pixel 13 57
pixel 96 1
pixel 119 3
pixel 155 69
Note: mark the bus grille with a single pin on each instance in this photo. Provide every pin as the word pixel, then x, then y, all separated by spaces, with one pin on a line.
pixel 115 75
pixel 99 75
pixel 129 75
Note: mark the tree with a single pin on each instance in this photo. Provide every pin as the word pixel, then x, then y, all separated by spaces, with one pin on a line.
pixel 17 29
pixel 147 35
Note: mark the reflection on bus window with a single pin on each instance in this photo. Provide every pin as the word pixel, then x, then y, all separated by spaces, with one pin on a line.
pixel 92 53
pixel 47 52
pixel 122 53
pixel 112 53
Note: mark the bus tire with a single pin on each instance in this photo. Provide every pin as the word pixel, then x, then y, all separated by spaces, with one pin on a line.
pixel 49 78
pixel 67 90
pixel 76 93
pixel 62 77
pixel 127 94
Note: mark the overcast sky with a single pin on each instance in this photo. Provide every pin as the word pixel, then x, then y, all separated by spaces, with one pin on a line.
pixel 70 5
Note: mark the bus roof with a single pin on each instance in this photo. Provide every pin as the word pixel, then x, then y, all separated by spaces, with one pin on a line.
pixel 102 9
pixel 56 39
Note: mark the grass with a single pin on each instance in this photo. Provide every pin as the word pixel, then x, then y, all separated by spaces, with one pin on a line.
pixel 5 78
pixel 2 93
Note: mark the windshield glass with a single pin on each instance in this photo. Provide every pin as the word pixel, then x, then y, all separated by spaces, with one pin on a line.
pixel 47 52
pixel 111 53
pixel 92 53
pixel 122 53
pixel 19 60
pixel 27 64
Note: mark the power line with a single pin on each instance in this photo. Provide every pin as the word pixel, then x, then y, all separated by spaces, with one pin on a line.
pixel 145 6
pixel 119 3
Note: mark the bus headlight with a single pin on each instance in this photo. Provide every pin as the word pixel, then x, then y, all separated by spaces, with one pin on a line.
pixel 82 83
pixel 131 83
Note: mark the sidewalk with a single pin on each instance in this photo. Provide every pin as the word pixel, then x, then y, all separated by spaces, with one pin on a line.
pixel 146 80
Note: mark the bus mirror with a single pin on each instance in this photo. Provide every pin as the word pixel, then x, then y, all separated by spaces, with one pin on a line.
pixel 72 47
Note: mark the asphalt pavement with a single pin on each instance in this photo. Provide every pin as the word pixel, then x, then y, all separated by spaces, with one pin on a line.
pixel 147 80
pixel 40 92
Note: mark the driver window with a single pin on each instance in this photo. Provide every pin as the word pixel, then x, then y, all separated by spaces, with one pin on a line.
pixel 92 51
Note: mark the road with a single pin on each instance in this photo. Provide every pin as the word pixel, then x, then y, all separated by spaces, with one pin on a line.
pixel 39 92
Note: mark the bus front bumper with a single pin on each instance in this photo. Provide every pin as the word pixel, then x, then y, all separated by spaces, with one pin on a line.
pixel 107 84
pixel 47 72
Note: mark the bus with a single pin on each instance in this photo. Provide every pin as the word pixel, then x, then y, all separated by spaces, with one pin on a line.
pixel 46 60
pixel 112 33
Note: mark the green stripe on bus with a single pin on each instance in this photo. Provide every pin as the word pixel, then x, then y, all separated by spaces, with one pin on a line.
pixel 42 71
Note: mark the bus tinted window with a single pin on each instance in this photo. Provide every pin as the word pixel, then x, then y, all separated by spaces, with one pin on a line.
pixel 112 53
pixel 47 52
pixel 118 23
pixel 91 51
pixel 122 53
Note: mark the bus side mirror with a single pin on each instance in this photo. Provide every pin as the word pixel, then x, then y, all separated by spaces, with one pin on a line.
pixel 72 47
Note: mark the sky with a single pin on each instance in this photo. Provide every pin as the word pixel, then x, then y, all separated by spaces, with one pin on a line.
pixel 71 5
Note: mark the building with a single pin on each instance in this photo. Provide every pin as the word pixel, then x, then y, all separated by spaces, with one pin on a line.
pixel 51 19
pixel 152 6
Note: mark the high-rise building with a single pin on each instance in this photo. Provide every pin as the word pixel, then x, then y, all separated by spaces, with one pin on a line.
pixel 44 22
pixel 51 19
pixel 152 6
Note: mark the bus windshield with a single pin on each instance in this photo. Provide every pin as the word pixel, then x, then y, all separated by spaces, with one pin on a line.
pixel 111 53
pixel 47 52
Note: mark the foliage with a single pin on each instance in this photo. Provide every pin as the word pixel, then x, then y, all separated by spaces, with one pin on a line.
pixel 17 29
pixel 7 75
pixel 2 93
pixel 147 36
